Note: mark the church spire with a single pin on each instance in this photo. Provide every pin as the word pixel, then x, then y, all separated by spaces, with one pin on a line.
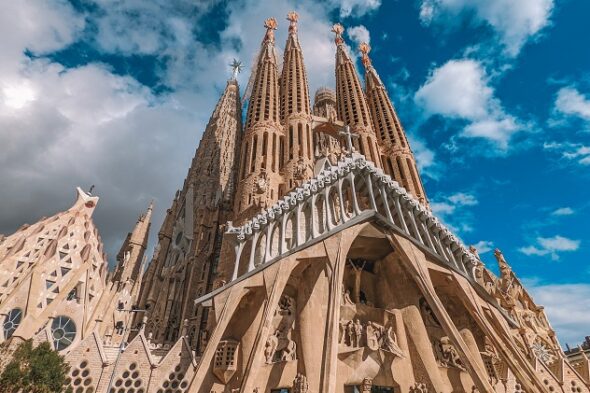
pixel 295 110
pixel 130 256
pixel 263 141
pixel 351 104
pixel 185 260
pixel 398 159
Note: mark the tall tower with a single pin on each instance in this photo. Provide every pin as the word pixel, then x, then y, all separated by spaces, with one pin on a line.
pixel 264 140
pixel 351 104
pixel 396 155
pixel 295 111
pixel 114 314
pixel 186 257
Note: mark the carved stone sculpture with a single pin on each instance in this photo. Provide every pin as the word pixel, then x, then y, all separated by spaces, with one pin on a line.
pixel 419 387
pixel 446 354
pixel 300 384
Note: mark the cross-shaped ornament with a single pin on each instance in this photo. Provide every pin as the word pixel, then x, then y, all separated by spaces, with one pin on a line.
pixel 348 135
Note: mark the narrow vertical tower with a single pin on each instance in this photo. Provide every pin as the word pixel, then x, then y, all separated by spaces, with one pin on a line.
pixel 130 256
pixel 350 101
pixel 186 257
pixel 396 155
pixel 113 318
pixel 260 161
pixel 295 111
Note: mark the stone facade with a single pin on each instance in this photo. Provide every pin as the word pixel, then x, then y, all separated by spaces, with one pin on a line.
pixel 301 256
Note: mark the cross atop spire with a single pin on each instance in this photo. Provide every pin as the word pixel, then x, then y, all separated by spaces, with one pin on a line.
pixel 236 67
pixel 271 25
pixel 365 48
pixel 338 29
pixel 292 17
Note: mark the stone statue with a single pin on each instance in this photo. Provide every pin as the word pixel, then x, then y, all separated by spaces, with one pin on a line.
pixel 366 385
pixel 358 333
pixel 419 387
pixel 272 342
pixel 390 342
pixel 427 314
pixel 300 384
pixel 289 352
pixel 261 185
pixel 350 333
pixel 373 336
pixel 446 354
pixel 346 300
pixel 286 305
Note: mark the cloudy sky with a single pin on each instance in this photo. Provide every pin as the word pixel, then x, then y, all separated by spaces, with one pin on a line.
pixel 495 95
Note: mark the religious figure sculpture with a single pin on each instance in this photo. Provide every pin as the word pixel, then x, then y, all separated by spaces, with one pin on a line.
pixel 262 183
pixel 270 347
pixel 419 387
pixel 300 384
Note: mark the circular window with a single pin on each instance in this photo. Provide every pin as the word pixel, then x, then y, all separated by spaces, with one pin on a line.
pixel 63 331
pixel 11 322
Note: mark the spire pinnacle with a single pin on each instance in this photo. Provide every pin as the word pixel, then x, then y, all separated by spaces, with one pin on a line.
pixel 236 67
pixel 338 29
pixel 292 17
pixel 365 48
pixel 271 25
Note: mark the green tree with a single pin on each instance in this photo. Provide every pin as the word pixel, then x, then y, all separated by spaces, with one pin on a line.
pixel 34 370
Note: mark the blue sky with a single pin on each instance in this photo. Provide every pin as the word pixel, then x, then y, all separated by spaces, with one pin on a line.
pixel 494 94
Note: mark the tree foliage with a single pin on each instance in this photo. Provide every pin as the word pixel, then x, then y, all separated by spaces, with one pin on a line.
pixel 34 370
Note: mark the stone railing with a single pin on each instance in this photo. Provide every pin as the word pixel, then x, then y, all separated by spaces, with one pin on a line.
pixel 348 193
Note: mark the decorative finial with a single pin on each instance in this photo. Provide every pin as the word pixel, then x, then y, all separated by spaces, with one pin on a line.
pixel 91 188
pixel 365 48
pixel 292 17
pixel 338 29
pixel 271 25
pixel 502 264
pixel 236 67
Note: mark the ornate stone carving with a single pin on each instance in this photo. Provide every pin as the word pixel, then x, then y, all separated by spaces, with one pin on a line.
pixel 446 355
pixel 261 185
pixel 279 346
pixel 419 387
pixel 357 334
pixel 300 384
pixel 428 316
pixel 366 385
pixel 543 353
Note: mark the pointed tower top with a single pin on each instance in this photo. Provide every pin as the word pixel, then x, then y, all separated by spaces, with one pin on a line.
pixel 293 17
pixel 338 29
pixel 271 25
pixel 85 201
pixel 365 48
pixel 502 264
pixel 236 67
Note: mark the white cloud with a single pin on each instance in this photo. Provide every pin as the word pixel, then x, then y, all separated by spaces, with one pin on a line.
pixel 460 89
pixel 563 211
pixel 355 8
pixel 451 209
pixel 359 34
pixel 515 21
pixel 552 246
pixel 567 308
pixel 483 246
pixel 569 101
pixel 575 152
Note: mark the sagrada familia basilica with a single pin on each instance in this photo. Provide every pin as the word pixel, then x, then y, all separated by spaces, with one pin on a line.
pixel 300 256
